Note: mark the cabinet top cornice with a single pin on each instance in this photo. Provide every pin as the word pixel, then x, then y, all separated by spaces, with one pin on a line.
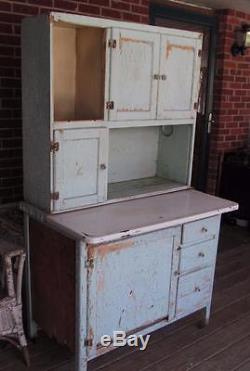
pixel 81 20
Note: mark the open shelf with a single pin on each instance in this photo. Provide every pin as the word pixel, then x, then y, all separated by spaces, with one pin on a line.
pixel 141 186
pixel 78 72
pixel 145 160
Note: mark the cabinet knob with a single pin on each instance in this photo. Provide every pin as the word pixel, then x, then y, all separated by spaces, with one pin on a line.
pixel 103 167
pixel 201 254
pixel 163 77
pixel 204 230
pixel 197 289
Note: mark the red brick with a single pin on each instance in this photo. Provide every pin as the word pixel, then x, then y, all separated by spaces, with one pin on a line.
pixel 48 3
pixel 11 18
pixel 109 13
pixel 140 9
pixel 133 1
pixel 65 5
pixel 145 19
pixel 5 28
pixel 131 17
pixel 100 2
pixel 6 50
pixel 89 9
pixel 25 9
pixel 120 5
pixel 4 6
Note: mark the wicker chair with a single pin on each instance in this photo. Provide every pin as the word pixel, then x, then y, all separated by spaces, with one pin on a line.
pixel 11 319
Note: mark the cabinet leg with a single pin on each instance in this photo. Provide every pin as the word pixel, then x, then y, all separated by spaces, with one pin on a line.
pixel 32 328
pixel 81 306
pixel 206 316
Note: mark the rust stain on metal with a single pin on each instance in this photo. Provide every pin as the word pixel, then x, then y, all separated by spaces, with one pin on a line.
pixel 103 250
pixel 170 48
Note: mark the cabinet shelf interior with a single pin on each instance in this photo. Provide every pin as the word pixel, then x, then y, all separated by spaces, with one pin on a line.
pixel 148 159
pixel 78 72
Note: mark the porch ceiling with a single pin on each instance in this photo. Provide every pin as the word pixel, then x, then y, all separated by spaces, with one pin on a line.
pixel 242 5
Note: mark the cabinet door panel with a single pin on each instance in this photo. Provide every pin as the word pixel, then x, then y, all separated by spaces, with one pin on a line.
pixel 129 285
pixel 180 65
pixel 134 62
pixel 78 175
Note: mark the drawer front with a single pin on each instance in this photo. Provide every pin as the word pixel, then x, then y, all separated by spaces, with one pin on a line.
pixel 194 291
pixel 202 229
pixel 198 256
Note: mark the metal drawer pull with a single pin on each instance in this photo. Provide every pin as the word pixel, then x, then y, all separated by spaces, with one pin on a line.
pixel 197 289
pixel 204 229
pixel 201 254
pixel 103 166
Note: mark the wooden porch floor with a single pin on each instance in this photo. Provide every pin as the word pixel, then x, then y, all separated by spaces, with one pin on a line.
pixel 224 345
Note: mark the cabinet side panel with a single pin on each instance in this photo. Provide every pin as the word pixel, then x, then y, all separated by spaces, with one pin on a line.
pixel 36 110
pixel 53 282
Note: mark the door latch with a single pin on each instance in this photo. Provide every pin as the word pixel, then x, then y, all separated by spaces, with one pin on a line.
pixel 210 122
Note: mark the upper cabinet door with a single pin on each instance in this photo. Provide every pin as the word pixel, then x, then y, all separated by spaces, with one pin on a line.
pixel 134 62
pixel 80 167
pixel 179 77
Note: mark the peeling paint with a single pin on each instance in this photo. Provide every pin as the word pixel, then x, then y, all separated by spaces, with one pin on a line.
pixel 103 250
pixel 170 48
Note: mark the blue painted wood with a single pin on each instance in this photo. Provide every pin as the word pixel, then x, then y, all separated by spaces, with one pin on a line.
pixel 129 283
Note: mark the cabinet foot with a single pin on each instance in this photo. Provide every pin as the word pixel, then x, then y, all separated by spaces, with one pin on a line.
pixel 205 320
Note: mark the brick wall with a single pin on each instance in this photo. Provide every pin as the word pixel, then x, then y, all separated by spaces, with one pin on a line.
pixel 11 14
pixel 231 95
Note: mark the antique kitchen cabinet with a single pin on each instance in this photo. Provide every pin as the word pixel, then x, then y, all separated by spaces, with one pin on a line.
pixel 116 239
pixel 109 110
pixel 133 266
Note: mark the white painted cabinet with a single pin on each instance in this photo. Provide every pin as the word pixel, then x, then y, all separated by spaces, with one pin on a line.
pixel 134 62
pixel 154 76
pixel 180 66
pixel 139 83
pixel 80 167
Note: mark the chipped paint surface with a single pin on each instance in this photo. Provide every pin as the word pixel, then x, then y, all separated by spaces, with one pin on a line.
pixel 125 282
pixel 103 250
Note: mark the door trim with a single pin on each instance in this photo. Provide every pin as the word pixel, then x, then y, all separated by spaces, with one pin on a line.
pixel 210 21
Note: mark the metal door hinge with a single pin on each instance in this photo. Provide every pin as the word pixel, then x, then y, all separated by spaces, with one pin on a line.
pixel 88 342
pixel 112 43
pixel 54 147
pixel 54 196
pixel 110 105
pixel 195 106
pixel 89 263
pixel 199 52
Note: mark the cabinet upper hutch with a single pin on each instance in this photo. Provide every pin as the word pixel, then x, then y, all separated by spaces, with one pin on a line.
pixel 109 109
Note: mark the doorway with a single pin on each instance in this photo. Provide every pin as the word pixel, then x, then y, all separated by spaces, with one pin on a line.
pixel 176 17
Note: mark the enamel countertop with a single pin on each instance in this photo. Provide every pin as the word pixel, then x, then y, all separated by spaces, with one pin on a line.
pixel 119 220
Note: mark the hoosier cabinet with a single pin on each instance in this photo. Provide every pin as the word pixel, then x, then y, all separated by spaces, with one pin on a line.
pixel 116 238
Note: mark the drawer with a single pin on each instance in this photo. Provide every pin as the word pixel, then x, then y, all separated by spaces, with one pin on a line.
pixel 194 291
pixel 197 256
pixel 202 229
